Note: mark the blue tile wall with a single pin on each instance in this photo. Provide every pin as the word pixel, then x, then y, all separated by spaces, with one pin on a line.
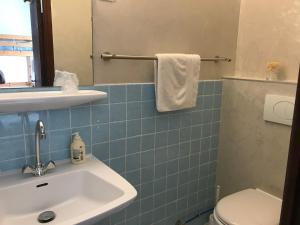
pixel 170 158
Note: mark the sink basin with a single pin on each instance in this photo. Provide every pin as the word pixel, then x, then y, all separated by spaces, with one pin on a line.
pixel 43 100
pixel 77 194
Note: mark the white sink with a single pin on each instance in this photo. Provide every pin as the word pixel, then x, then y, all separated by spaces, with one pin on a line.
pixel 43 100
pixel 81 194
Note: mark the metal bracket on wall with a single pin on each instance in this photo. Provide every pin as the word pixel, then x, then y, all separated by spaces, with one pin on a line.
pixel 42 6
pixel 108 0
pixel 41 1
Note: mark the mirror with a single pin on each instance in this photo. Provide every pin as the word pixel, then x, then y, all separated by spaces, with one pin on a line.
pixel 72 38
pixel 72 41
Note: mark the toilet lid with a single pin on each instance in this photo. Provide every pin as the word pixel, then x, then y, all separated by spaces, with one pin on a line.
pixel 249 207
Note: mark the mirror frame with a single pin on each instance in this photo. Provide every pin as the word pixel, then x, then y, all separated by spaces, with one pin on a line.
pixel 42 39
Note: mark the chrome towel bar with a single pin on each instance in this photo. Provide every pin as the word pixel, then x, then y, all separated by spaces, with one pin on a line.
pixel 106 56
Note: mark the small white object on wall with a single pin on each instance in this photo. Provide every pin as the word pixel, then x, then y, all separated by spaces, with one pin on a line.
pixel 279 109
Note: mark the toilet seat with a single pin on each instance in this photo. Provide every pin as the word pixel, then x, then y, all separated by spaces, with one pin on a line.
pixel 248 207
pixel 217 220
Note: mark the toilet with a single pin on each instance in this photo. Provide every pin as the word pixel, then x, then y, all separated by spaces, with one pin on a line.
pixel 248 207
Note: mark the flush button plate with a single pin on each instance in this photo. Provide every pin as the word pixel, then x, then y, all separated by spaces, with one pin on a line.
pixel 279 109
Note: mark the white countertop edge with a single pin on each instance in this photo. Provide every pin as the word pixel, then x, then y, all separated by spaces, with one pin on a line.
pixel 293 82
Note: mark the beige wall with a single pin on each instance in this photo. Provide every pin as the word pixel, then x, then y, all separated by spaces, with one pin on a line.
pixel 146 27
pixel 268 31
pixel 253 153
pixel 72 37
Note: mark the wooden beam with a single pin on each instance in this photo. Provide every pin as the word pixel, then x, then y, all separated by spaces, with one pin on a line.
pixel 16 53
pixel 16 84
pixel 15 37
pixel 16 44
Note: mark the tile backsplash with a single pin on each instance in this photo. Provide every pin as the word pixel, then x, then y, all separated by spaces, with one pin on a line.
pixel 170 158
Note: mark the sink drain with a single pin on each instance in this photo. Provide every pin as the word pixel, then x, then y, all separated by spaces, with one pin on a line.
pixel 46 217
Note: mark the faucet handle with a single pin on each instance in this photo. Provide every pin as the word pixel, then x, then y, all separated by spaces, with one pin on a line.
pixel 51 165
pixel 38 170
pixel 27 170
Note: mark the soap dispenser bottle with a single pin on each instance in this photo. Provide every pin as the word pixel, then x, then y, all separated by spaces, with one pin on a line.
pixel 77 149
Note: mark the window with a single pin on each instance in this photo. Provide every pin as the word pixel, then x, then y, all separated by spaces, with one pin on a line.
pixel 26 41
pixel 15 44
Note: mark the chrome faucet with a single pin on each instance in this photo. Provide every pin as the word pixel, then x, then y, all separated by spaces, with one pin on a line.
pixel 39 169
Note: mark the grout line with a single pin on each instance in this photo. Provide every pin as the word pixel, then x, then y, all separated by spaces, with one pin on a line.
pixel 109 110
pixel 140 152
pixel 91 129
pixel 48 123
pixel 23 130
pixel 125 142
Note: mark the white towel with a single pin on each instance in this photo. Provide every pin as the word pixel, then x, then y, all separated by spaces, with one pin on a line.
pixel 67 81
pixel 176 81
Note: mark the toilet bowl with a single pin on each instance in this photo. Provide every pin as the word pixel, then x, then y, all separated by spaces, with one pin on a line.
pixel 248 207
